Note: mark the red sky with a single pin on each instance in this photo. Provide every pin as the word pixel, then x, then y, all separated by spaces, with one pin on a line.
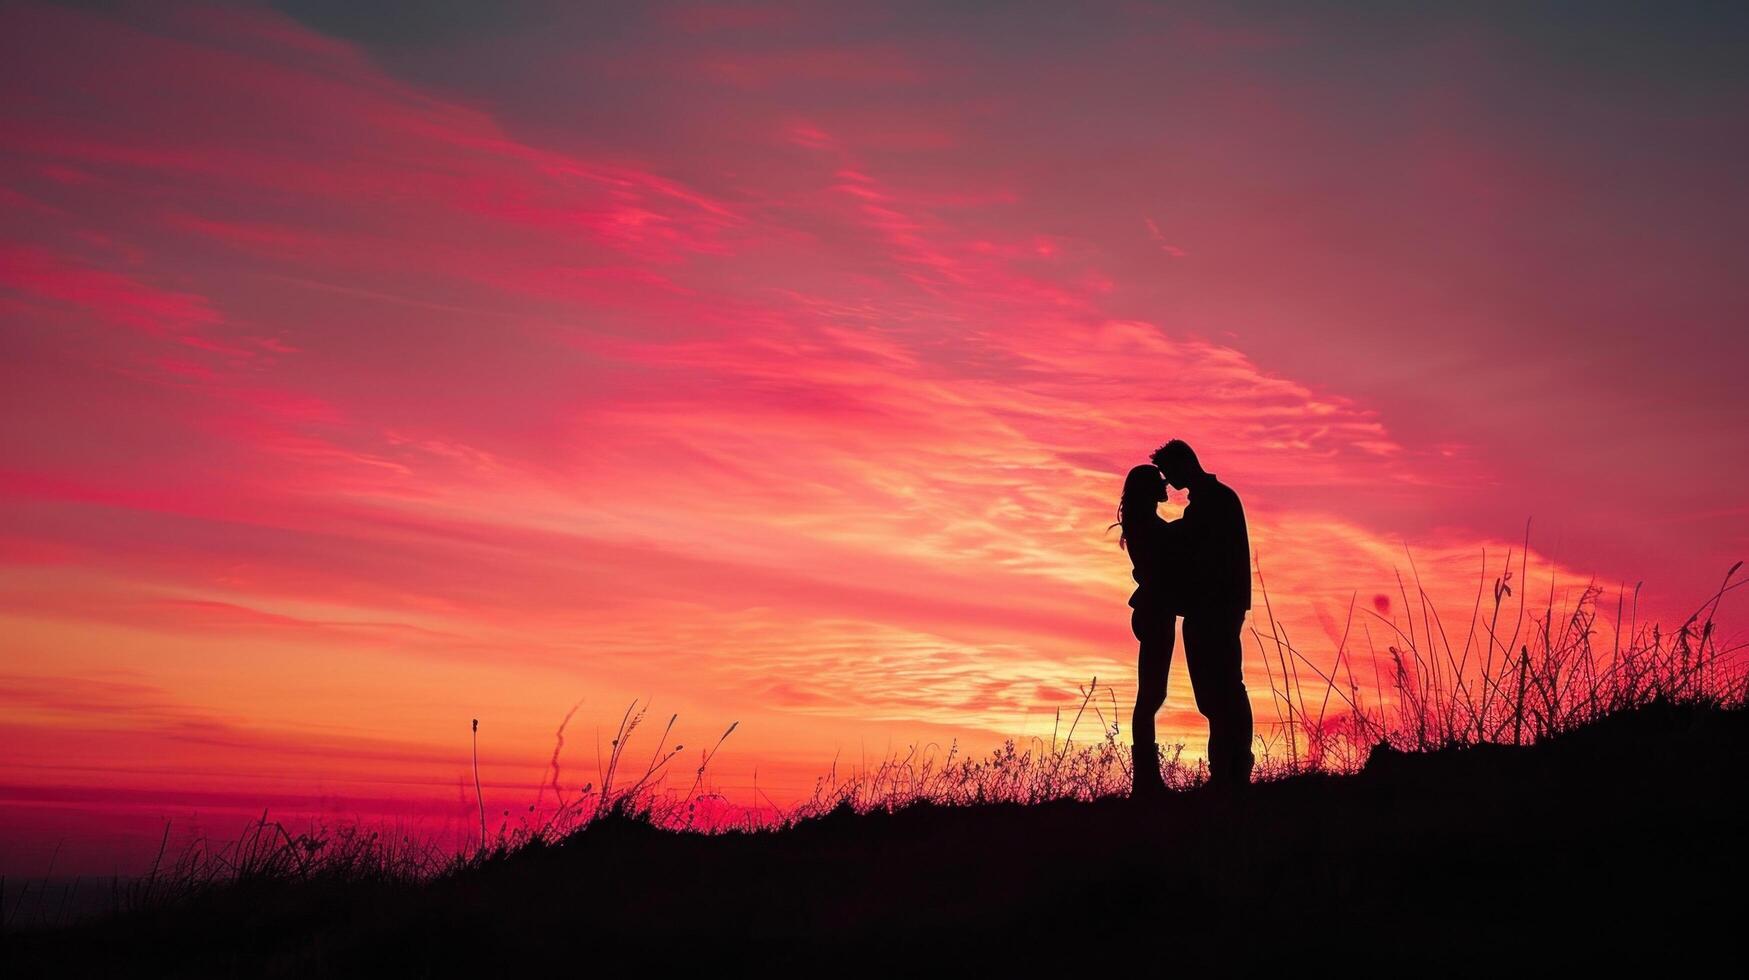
pixel 365 373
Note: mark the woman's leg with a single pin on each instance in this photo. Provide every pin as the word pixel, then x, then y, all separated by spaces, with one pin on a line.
pixel 1153 660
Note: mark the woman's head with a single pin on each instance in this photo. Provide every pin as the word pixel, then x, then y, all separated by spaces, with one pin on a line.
pixel 1143 488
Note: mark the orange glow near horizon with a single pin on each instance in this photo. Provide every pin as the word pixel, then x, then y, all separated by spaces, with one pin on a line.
pixel 785 383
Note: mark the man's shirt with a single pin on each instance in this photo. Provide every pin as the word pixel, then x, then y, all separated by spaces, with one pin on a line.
pixel 1219 577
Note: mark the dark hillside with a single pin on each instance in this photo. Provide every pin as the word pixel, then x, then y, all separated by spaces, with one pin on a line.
pixel 1619 842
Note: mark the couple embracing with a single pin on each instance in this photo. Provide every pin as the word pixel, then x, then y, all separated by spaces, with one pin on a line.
pixel 1198 567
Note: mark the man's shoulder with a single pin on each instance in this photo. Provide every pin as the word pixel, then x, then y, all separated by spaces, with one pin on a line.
pixel 1223 492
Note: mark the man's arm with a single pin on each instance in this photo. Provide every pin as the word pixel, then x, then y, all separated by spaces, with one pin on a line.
pixel 1238 548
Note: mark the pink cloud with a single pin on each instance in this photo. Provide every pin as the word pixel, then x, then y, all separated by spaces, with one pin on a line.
pixel 113 299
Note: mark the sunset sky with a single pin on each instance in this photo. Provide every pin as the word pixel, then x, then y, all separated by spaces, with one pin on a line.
pixel 365 371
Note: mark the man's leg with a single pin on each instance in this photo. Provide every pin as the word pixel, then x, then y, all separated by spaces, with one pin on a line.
pixel 1214 654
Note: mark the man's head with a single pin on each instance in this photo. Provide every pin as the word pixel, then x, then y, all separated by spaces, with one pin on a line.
pixel 1177 462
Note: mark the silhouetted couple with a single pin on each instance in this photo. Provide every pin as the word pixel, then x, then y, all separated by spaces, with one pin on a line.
pixel 1198 567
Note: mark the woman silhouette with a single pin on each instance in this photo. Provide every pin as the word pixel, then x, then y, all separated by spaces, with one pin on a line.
pixel 1150 541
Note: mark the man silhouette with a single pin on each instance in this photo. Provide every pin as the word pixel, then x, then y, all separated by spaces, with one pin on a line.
pixel 1217 597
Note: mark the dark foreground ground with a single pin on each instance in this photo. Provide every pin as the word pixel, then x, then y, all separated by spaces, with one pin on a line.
pixel 1617 846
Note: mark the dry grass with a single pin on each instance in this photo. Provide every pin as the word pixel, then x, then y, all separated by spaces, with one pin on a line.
pixel 1513 675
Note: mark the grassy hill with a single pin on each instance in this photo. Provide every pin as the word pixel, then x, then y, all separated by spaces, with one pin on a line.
pixel 1619 841
pixel 1522 800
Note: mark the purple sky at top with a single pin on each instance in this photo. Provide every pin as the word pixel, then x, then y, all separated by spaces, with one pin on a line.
pixel 1514 228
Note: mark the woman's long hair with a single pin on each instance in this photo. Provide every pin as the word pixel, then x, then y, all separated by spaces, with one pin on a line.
pixel 1142 490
